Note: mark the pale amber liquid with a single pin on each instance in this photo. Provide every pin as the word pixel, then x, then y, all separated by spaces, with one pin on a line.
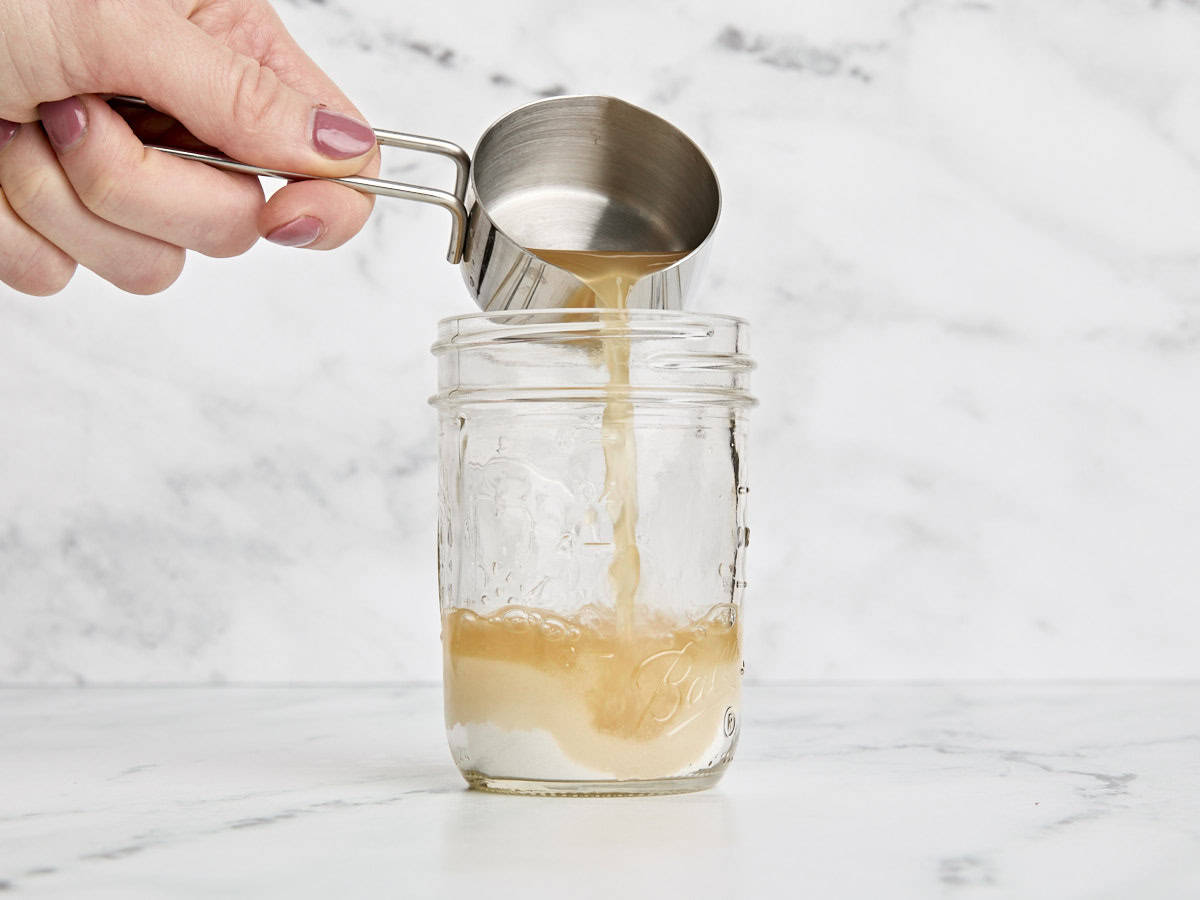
pixel 645 706
pixel 639 697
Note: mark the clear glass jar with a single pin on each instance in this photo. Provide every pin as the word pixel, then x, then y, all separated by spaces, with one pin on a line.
pixel 591 547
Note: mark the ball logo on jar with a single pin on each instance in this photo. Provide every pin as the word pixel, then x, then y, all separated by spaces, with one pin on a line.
pixel 667 676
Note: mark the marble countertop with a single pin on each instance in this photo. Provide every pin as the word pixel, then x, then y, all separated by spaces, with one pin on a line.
pixel 1023 790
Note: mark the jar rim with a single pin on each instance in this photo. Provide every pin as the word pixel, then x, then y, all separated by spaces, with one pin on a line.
pixel 692 359
pixel 585 311
pixel 561 324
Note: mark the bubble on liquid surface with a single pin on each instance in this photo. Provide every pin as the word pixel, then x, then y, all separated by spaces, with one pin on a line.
pixel 519 619
pixel 554 630
pixel 723 615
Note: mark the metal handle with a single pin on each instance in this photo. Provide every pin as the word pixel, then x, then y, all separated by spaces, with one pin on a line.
pixel 454 203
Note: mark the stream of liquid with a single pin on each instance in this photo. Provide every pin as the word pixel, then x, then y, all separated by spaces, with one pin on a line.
pixel 608 278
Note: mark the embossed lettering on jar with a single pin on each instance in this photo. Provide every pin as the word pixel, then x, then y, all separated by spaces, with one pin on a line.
pixel 579 657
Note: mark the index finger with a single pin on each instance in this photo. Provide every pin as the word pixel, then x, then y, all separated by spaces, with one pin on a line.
pixel 313 214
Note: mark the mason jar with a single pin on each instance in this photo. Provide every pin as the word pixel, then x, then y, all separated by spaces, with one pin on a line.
pixel 591 547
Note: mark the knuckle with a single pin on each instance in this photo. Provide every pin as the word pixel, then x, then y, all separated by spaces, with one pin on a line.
pixel 234 243
pixel 104 191
pixel 156 273
pixel 41 272
pixel 53 279
pixel 256 90
pixel 28 190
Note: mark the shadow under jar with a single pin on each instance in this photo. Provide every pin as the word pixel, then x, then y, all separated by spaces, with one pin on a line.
pixel 591 547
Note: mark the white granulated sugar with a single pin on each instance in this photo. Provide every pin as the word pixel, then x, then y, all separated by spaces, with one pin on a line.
pixel 491 750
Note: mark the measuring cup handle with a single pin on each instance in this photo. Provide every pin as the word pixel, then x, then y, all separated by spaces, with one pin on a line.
pixel 454 203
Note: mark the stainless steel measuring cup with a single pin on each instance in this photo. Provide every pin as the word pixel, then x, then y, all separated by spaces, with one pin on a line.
pixel 564 173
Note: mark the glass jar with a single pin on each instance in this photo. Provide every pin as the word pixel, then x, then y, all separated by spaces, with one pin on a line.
pixel 591 547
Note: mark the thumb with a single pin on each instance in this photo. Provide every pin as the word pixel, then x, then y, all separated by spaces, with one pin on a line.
pixel 234 103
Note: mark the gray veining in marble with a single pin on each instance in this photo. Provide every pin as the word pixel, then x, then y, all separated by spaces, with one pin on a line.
pixel 1028 791
pixel 966 235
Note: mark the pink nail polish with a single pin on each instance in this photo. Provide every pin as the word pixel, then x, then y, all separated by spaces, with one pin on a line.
pixel 8 131
pixel 340 137
pixel 64 121
pixel 297 233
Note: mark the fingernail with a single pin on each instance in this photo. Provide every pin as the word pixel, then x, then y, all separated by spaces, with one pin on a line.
pixel 340 137
pixel 8 130
pixel 297 233
pixel 65 122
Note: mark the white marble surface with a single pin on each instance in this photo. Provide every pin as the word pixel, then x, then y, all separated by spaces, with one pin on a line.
pixel 966 235
pixel 837 791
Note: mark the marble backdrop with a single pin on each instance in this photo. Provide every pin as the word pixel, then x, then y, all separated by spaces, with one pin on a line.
pixel 967 236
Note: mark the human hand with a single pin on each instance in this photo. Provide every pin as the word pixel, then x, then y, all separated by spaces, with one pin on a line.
pixel 80 188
